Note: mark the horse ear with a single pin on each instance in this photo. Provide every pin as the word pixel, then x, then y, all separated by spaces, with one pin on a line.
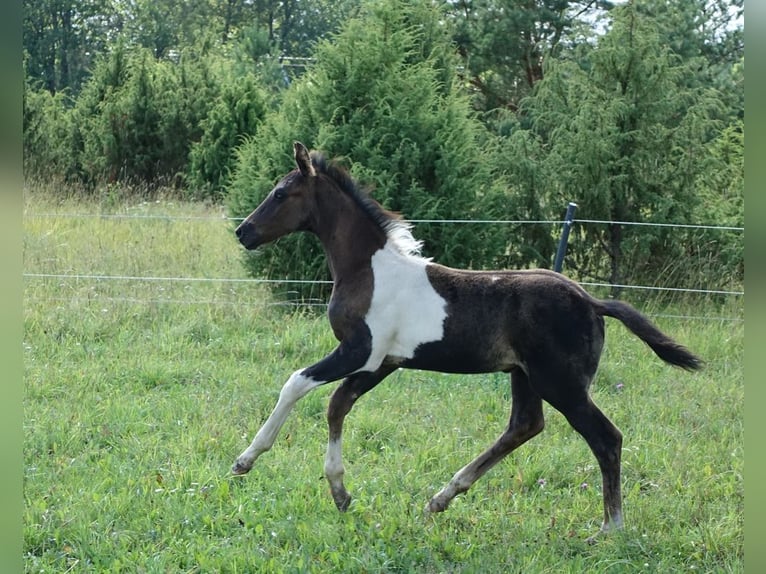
pixel 303 160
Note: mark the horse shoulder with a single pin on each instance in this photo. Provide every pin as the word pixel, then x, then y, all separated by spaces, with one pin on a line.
pixel 405 310
pixel 348 306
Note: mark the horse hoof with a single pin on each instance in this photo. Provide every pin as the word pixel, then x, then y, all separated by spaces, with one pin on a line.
pixel 342 502
pixel 238 469
pixel 434 506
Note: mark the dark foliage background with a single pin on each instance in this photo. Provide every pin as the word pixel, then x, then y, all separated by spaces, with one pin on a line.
pixel 483 109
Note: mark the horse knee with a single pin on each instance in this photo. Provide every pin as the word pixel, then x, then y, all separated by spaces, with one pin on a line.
pixel 536 424
pixel 296 387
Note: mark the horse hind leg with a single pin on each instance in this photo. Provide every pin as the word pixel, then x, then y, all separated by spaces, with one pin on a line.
pixel 341 402
pixel 526 422
pixel 605 441
pixel 603 438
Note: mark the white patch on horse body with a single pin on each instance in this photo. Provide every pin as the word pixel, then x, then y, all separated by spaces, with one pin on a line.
pixel 406 311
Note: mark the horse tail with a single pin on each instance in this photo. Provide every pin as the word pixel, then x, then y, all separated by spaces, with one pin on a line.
pixel 663 346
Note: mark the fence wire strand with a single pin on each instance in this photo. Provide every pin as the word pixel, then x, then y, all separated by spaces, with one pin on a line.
pixel 288 303
pixel 148 278
pixel 652 288
pixel 427 221
pixel 316 303
pixel 320 282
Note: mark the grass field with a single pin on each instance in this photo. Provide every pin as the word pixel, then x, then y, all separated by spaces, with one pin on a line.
pixel 139 395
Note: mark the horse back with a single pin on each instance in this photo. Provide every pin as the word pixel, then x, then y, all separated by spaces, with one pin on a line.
pixel 499 320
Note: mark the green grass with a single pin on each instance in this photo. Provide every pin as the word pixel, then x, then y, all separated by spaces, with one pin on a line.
pixel 140 395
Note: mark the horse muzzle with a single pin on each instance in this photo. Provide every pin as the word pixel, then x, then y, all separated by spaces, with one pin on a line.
pixel 248 236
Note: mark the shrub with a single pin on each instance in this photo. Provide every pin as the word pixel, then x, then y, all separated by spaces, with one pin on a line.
pixel 134 120
pixel 47 133
pixel 236 113
pixel 624 134
pixel 381 96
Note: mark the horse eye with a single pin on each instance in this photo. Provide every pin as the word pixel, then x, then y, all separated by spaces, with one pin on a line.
pixel 279 194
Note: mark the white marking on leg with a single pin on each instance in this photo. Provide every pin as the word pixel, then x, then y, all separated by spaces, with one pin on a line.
pixel 333 464
pixel 461 482
pixel 615 523
pixel 405 311
pixel 296 387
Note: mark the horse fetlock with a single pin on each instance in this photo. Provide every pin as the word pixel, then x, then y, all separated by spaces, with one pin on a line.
pixel 607 528
pixel 613 523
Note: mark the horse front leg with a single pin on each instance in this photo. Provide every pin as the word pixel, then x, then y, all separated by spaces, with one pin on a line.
pixel 350 356
pixel 341 402
pixel 297 386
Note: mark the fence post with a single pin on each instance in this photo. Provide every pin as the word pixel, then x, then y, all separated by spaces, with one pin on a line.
pixel 568 220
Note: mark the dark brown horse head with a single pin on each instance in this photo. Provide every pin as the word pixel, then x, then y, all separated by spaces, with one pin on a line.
pixel 287 207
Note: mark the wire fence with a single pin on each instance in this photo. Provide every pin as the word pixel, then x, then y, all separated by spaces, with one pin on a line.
pixel 320 303
pixel 311 303
pixel 148 278
pixel 429 221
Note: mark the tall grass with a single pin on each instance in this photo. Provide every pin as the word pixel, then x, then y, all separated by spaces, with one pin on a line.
pixel 139 395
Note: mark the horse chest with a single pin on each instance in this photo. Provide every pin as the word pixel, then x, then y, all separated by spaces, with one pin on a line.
pixel 405 309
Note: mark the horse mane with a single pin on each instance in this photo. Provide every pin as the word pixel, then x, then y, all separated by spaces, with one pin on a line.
pixel 398 231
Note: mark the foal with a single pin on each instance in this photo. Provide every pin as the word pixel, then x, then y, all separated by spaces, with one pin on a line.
pixel 391 308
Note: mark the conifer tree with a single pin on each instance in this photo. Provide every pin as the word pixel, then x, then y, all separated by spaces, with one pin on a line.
pixel 624 134
pixel 383 95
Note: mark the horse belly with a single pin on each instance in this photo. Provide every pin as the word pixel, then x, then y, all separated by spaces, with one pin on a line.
pixel 460 358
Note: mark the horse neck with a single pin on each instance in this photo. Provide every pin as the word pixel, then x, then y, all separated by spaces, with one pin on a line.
pixel 347 233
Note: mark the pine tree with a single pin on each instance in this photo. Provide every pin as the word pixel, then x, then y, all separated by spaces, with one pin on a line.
pixel 624 135
pixel 383 94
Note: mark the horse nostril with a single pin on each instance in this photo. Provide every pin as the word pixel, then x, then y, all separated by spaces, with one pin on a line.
pixel 238 231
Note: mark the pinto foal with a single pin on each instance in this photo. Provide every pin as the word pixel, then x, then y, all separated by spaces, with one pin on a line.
pixel 391 308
